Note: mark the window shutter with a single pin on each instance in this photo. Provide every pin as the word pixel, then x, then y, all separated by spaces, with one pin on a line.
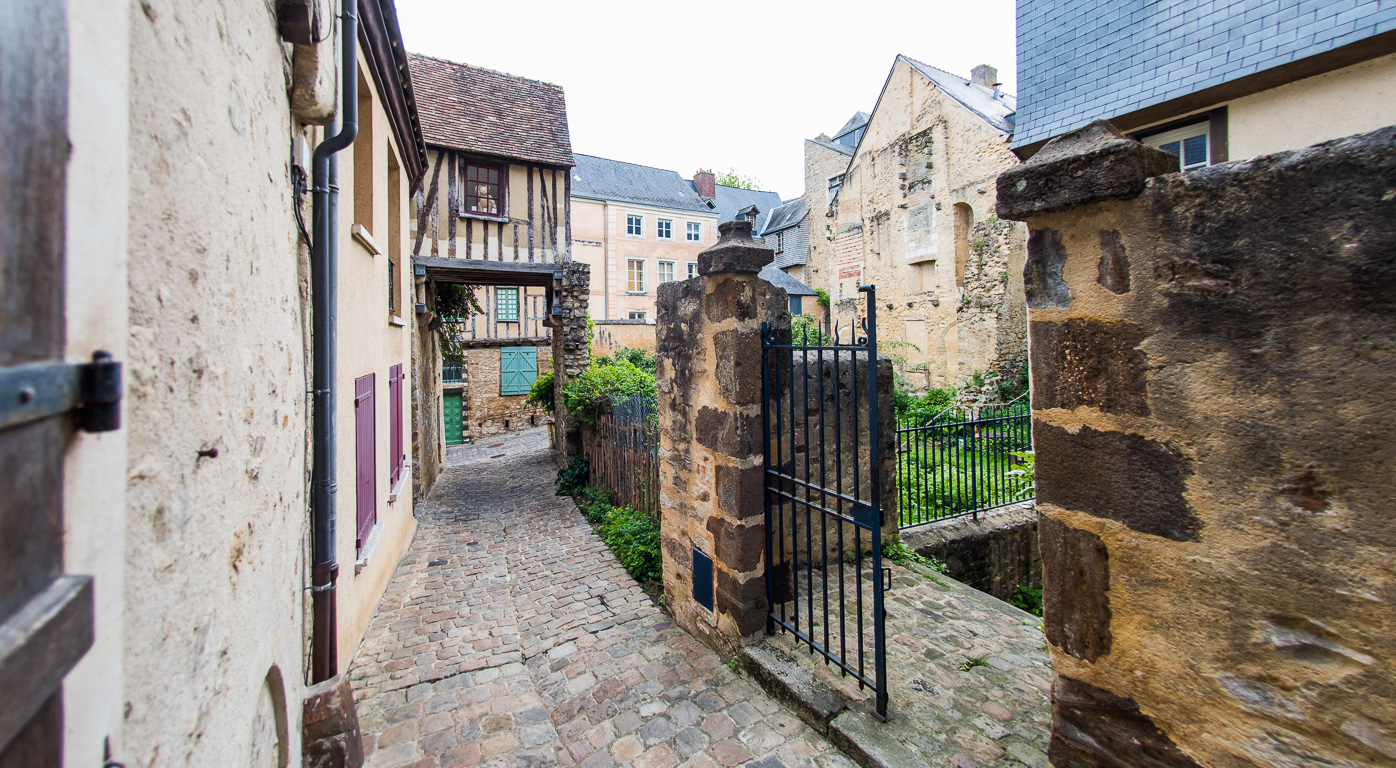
pixel 365 479
pixel 518 369
pixel 397 459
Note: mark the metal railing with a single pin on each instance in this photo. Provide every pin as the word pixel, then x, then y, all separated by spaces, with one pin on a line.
pixel 622 448
pixel 963 462
pixel 451 372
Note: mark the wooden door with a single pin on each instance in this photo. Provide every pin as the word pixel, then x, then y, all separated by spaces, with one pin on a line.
pixel 45 615
pixel 451 411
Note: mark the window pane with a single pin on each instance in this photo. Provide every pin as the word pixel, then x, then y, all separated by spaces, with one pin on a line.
pixel 692 269
pixel 1171 146
pixel 506 304
pixel 1195 150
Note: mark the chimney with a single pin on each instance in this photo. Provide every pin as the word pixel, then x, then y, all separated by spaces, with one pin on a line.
pixel 984 75
pixel 706 183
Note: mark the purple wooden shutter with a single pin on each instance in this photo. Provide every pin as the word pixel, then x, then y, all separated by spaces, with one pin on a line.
pixel 396 458
pixel 365 443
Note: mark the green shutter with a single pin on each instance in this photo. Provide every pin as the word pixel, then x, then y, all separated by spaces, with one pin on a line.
pixel 451 408
pixel 518 368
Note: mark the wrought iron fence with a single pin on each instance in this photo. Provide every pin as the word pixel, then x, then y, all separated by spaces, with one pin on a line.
pixel 963 462
pixel 622 448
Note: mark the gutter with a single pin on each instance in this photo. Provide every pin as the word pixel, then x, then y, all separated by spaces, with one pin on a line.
pixel 324 303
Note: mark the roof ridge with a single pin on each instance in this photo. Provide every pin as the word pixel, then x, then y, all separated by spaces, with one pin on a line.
pixel 627 162
pixel 500 72
pixel 968 81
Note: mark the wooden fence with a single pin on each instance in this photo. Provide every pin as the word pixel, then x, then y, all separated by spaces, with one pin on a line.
pixel 623 451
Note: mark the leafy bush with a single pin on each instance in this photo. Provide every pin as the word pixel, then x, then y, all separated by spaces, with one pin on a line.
pixel 572 479
pixel 540 395
pixel 634 537
pixel 804 331
pixel 1028 599
pixel 897 552
pixel 919 409
pixel 1013 385
pixel 595 503
pixel 591 394
pixel 454 304
pixel 642 359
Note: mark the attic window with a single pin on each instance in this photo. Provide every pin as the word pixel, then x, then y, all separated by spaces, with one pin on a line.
pixel 1190 144
pixel 483 189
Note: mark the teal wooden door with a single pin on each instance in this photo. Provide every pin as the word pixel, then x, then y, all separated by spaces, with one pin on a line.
pixel 518 369
pixel 451 406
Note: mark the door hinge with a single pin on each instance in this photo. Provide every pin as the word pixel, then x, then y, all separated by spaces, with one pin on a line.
pixel 42 390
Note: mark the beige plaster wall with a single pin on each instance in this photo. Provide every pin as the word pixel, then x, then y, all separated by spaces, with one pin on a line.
pixel 1351 100
pixel 595 221
pixel 370 342
pixel 94 472
pixel 612 336
pixel 214 546
pixel 507 240
pixel 894 227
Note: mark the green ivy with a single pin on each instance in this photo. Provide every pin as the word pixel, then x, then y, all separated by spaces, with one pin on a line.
pixel 572 479
pixel 897 552
pixel 823 297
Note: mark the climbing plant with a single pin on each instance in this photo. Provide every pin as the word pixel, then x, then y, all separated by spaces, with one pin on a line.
pixel 455 303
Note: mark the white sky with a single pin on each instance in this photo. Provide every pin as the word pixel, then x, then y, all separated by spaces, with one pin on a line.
pixel 713 84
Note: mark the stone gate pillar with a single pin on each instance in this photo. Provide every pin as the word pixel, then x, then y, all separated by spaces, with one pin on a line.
pixel 571 351
pixel 711 474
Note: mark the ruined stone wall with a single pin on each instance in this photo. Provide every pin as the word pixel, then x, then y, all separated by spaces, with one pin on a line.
pixel 895 225
pixel 1212 354
pixel 218 290
pixel 487 412
pixel 995 553
pixel 821 163
pixel 571 354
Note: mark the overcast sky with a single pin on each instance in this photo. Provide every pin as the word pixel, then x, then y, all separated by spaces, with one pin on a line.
pixel 713 84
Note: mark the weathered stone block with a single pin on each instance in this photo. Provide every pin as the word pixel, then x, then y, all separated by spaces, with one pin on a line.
pixel 743 601
pixel 1114 263
pixel 1089 362
pixel 1093 728
pixel 1042 274
pixel 739 372
pixel 1075 589
pixel 330 726
pixel 735 251
pixel 1116 475
pixel 739 546
pixel 1084 166
pixel 741 493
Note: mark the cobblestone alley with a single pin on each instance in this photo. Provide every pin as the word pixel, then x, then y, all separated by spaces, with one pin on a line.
pixel 511 636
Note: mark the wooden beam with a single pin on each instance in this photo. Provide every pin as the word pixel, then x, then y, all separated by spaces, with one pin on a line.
pixel 451 202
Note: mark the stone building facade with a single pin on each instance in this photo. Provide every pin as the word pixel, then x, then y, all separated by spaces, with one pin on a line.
pixel 826 162
pixel 914 215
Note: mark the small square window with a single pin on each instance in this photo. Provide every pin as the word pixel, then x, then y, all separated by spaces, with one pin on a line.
pixel 634 225
pixel 635 276
pixel 638 314
pixel 506 305
pixel 665 230
pixel 483 189
pixel 695 232
pixel 692 269
pixel 666 271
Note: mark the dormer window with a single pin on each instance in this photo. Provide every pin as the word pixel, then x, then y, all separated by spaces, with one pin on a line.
pixel 484 189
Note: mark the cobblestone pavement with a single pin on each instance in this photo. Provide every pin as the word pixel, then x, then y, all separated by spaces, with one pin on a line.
pixel 510 636
pixel 969 676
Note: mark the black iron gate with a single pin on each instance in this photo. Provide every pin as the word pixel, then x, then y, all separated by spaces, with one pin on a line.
pixel 823 501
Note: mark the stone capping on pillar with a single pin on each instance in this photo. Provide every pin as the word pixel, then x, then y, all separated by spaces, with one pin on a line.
pixel 1087 165
pixel 735 251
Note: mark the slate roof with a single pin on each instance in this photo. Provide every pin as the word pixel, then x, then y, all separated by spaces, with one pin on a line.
pixel 597 177
pixel 730 200
pixel 840 148
pixel 779 279
pixel 858 120
pixel 786 216
pixel 997 111
pixel 473 109
pixel 1082 60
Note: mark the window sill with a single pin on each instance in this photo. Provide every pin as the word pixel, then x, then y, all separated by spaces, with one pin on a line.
pixel 365 238
pixel 398 486
pixel 396 321
pixel 370 544
pixel 637 293
pixel 483 217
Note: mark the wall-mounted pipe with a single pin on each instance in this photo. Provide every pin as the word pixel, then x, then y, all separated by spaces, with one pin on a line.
pixel 324 276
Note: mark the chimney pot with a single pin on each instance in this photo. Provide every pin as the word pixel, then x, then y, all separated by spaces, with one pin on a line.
pixel 984 75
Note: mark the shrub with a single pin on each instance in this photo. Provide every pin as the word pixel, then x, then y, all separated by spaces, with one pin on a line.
pixel 591 394
pixel 634 537
pixel 804 331
pixel 823 297
pixel 595 503
pixel 540 395
pixel 642 359
pixel 1028 599
pixel 572 479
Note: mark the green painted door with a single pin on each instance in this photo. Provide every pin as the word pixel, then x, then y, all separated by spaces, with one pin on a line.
pixel 518 369
pixel 451 405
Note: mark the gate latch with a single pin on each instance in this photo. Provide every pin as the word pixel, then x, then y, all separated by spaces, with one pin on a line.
pixel 866 516
pixel 41 390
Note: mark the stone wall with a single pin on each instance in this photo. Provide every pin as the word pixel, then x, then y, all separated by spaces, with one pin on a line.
pixel 821 164
pixel 487 412
pixel 571 354
pixel 1212 354
pixel 428 427
pixel 996 553
pixel 611 335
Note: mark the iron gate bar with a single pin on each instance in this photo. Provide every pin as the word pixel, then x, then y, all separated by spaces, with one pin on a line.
pixel 794 499
pixel 926 461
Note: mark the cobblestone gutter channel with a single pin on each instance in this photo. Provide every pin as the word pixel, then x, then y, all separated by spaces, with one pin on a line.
pixel 511 636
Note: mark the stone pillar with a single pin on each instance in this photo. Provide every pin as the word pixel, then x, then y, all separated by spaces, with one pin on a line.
pixel 1212 358
pixel 571 352
pixel 711 473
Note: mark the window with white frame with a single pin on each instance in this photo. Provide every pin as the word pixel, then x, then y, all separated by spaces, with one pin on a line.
pixel 692 269
pixel 666 271
pixel 1190 144
pixel 638 314
pixel 665 229
pixel 634 225
pixel 695 232
pixel 635 276
pixel 780 242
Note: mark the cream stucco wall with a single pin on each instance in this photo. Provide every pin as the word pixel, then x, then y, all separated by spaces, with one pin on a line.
pixel 1351 100
pixel 478 237
pixel 94 471
pixel 596 221
pixel 214 546
pixel 371 340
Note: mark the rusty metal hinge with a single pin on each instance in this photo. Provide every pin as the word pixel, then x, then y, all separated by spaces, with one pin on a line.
pixel 42 390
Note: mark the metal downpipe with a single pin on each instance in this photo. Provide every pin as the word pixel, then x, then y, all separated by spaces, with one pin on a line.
pixel 324 305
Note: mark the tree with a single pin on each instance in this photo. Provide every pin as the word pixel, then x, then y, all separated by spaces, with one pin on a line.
pixel 730 178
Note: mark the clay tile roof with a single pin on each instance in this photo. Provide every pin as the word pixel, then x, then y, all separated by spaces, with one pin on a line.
pixel 472 109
